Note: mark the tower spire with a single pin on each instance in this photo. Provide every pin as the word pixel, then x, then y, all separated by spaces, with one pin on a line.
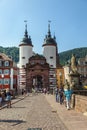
pixel 26 32
pixel 26 39
pixel 49 33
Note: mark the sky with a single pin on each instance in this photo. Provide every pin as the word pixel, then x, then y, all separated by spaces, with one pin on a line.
pixel 68 22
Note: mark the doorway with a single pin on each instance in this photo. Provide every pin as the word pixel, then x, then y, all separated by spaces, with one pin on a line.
pixel 38 82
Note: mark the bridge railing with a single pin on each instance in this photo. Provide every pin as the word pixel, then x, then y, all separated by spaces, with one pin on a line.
pixel 80 92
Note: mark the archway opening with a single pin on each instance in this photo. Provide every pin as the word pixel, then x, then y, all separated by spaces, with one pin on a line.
pixel 38 82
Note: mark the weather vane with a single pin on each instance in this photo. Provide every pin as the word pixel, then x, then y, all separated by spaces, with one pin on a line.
pixel 49 27
pixel 25 24
pixel 49 21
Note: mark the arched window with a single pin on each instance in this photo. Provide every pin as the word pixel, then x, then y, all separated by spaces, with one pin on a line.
pixel 6 63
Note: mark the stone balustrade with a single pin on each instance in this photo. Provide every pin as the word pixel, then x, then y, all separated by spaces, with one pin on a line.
pixel 79 102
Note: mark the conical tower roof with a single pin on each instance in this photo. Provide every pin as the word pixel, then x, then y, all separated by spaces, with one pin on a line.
pixel 26 39
pixel 49 40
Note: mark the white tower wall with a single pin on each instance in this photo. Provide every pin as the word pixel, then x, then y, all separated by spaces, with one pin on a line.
pixel 50 54
pixel 25 53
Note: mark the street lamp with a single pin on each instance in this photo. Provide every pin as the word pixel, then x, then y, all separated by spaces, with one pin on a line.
pixel 2 80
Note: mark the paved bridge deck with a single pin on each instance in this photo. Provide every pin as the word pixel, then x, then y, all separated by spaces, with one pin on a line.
pixel 42 112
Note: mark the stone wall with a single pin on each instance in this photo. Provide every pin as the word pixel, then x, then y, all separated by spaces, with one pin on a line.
pixel 80 103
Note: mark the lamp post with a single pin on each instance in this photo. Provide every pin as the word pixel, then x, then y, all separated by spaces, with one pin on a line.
pixel 2 80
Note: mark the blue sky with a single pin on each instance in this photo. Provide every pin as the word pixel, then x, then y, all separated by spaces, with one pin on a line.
pixel 68 22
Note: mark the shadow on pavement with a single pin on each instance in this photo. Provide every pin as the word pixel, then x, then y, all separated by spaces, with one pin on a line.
pixel 18 107
pixel 13 121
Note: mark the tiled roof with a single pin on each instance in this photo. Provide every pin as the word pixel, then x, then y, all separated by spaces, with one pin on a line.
pixel 4 57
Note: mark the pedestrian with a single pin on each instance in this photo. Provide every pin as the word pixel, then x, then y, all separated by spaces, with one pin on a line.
pixel 45 90
pixel 0 99
pixel 56 93
pixel 61 95
pixel 68 94
pixel 22 92
pixel 8 98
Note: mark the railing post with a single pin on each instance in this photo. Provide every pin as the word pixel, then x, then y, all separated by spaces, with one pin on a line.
pixel 73 101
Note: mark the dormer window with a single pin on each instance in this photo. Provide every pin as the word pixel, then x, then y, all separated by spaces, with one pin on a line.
pixel 6 63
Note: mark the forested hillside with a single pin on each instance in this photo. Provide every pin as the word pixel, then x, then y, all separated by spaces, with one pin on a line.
pixel 12 52
pixel 64 56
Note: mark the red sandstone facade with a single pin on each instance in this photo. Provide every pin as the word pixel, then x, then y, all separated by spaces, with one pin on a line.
pixel 37 73
pixel 8 73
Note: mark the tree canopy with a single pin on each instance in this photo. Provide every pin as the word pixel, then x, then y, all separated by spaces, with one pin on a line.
pixel 65 56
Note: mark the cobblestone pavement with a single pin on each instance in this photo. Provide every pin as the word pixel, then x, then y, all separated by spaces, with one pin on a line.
pixel 31 112
pixel 72 119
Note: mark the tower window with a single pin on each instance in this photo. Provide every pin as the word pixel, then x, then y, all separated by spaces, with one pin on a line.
pixel 23 57
pixel 51 82
pixel 51 65
pixel 51 57
pixel 51 76
pixel 23 66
